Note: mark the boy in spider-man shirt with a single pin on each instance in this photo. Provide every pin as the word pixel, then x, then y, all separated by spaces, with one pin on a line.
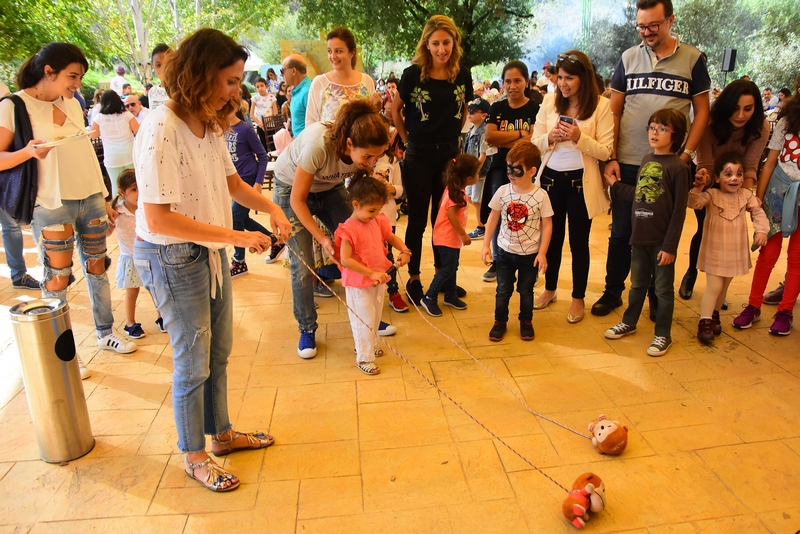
pixel 523 211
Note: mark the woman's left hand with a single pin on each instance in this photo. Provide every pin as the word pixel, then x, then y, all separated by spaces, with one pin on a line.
pixel 569 132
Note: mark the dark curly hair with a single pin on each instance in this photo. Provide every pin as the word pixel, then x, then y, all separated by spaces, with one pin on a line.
pixel 458 171
pixel 365 189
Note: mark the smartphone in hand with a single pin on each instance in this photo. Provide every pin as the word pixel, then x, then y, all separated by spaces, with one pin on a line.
pixel 564 118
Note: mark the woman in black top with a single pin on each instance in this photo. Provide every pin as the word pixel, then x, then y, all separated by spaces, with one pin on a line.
pixel 432 95
pixel 509 121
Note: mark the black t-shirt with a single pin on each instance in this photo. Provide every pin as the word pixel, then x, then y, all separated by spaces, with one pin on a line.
pixel 508 119
pixel 435 109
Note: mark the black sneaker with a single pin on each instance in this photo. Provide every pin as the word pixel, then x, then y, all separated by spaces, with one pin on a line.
pixel 497 332
pixel 134 331
pixel 274 253
pixel 414 291
pixel 460 292
pixel 606 303
pixel 431 306
pixel 526 331
pixel 160 323
pixel 26 282
pixel 238 268
pixel 490 275
pixel 455 302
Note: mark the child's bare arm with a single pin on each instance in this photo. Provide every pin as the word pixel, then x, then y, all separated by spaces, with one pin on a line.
pixel 544 244
pixel 491 225
pixel 404 253
pixel 452 216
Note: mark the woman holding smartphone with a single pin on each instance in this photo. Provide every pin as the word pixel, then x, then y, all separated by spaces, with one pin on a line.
pixel 574 130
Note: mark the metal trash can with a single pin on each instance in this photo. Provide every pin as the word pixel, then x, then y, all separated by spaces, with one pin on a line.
pixel 52 379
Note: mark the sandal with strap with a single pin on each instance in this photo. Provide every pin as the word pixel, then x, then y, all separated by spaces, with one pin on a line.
pixel 378 352
pixel 368 368
pixel 216 477
pixel 255 440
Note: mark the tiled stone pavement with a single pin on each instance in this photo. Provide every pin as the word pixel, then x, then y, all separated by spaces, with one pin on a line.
pixel 714 433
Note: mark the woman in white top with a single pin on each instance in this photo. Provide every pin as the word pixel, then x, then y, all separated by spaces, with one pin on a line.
pixel 329 91
pixel 71 194
pixel 118 128
pixel 186 180
pixel 574 130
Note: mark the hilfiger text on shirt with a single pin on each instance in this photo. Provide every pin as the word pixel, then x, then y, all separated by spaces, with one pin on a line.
pixel 661 83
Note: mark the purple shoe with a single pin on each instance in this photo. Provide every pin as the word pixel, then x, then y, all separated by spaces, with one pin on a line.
pixel 749 315
pixel 783 323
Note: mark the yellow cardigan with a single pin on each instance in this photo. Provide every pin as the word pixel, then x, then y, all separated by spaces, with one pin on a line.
pixel 597 137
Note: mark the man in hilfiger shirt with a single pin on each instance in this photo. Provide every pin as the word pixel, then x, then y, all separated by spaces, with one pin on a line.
pixel 661 72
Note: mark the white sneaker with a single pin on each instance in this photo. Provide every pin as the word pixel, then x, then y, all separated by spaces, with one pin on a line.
pixel 85 373
pixel 114 342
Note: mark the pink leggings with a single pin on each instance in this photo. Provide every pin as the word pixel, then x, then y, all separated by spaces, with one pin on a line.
pixel 767 258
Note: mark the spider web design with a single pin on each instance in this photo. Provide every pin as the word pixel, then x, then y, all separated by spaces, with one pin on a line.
pixel 521 220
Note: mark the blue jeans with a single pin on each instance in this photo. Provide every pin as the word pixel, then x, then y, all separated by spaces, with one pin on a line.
pixel 643 262
pixel 200 332
pixel 330 207
pixel 12 243
pixel 242 220
pixel 89 221
pixel 507 264
pixel 618 264
pixel 445 278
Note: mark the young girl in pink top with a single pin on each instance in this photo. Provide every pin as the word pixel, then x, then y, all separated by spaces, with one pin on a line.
pixel 361 244
pixel 449 233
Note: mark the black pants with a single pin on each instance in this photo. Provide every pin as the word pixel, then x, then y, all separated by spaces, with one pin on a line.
pixel 694 247
pixel 262 136
pixel 423 182
pixel 565 190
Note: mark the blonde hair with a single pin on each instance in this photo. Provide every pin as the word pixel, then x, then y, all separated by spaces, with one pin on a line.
pixel 424 59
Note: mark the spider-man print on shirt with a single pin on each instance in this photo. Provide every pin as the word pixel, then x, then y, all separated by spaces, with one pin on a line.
pixel 520 218
pixel 517 213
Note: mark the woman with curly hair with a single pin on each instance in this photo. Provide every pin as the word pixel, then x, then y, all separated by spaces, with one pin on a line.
pixel 432 97
pixel 186 180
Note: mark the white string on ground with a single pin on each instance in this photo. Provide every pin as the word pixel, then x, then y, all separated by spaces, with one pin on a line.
pixel 428 380
pixel 499 380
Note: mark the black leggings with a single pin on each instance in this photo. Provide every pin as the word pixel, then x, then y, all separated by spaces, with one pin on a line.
pixel 423 171
pixel 694 247
pixel 565 190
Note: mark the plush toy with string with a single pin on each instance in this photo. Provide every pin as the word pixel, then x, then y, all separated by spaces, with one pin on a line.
pixel 610 437
pixel 588 494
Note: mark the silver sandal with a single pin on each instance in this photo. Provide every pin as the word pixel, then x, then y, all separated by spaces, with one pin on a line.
pixel 255 440
pixel 215 478
pixel 368 368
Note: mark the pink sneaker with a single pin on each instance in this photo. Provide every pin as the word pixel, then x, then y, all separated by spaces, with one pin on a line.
pixel 783 323
pixel 749 315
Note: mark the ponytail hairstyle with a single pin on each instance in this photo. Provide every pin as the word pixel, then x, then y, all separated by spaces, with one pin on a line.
pixel 365 189
pixel 361 122
pixel 190 75
pixel 459 170
pixel 55 55
pixel 347 37
pixel 125 181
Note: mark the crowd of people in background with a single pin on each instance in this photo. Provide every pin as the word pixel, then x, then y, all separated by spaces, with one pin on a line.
pixel 537 158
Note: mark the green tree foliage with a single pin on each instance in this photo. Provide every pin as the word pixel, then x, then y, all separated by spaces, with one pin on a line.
pixel 27 25
pixel 493 30
pixel 774 51
pixel 610 38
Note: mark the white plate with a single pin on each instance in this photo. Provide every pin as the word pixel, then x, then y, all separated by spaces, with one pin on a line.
pixel 67 139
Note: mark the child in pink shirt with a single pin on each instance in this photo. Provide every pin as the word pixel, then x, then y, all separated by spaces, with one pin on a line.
pixel 361 245
pixel 449 233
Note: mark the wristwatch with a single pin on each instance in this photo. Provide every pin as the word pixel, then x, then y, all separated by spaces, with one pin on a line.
pixel 690 153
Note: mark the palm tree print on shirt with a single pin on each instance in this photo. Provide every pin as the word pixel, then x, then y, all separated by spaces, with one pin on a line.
pixel 461 95
pixel 421 96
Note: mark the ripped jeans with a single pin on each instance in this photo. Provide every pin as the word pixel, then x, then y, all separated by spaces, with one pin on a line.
pixel 89 222
pixel 200 332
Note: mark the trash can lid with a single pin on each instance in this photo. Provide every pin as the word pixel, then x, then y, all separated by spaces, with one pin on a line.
pixel 38 310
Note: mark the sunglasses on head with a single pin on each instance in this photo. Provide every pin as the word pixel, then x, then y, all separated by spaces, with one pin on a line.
pixel 572 58
pixel 518 171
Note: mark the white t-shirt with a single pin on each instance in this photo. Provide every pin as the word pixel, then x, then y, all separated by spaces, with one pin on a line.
pixel 263 104
pixel 389 172
pixel 117 137
pixel 144 112
pixel 175 167
pixel 117 82
pixel 788 143
pixel 520 218
pixel 156 96
pixel 126 229
pixel 315 155
pixel 69 171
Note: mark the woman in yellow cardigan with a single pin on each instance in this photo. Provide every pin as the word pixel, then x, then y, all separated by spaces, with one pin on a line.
pixel 574 130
